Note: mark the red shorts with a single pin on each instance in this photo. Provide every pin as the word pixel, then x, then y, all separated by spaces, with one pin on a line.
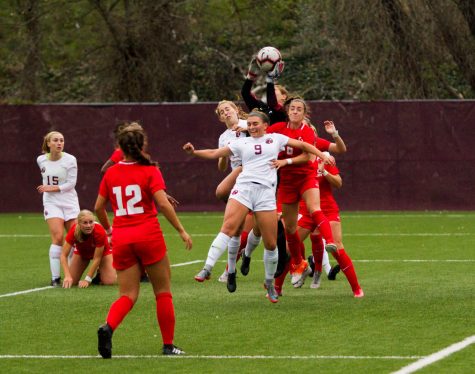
pixel 127 253
pixel 291 189
pixel 88 256
pixel 305 219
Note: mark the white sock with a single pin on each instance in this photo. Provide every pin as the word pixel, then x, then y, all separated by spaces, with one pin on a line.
pixel 54 260
pixel 233 249
pixel 326 262
pixel 252 243
pixel 216 250
pixel 271 258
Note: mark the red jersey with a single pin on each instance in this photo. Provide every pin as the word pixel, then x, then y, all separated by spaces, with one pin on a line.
pixel 327 201
pixel 117 156
pixel 304 133
pixel 86 249
pixel 322 144
pixel 130 187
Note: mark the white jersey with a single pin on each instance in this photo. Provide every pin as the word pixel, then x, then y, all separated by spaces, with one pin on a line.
pixel 62 173
pixel 256 155
pixel 229 136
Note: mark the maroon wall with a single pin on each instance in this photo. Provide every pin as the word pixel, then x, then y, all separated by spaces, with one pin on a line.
pixel 401 155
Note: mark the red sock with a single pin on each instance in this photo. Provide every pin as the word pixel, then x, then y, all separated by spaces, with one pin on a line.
pixel 302 250
pixel 243 243
pixel 347 268
pixel 323 225
pixel 279 281
pixel 166 316
pixel 293 244
pixel 317 251
pixel 118 310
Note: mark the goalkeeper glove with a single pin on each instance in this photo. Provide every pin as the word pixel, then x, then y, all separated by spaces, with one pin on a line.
pixel 276 72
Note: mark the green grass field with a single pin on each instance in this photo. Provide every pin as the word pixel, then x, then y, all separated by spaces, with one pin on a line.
pixel 417 271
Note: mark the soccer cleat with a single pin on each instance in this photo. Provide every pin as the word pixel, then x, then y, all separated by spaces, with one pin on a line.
pixel 172 350
pixel 56 282
pixel 245 265
pixel 333 272
pixel 358 293
pixel 299 273
pixel 311 263
pixel 203 275
pixel 104 339
pixel 317 279
pixel 231 283
pixel 223 278
pixel 330 247
pixel 144 278
pixel 271 294
pixel 278 290
pixel 97 279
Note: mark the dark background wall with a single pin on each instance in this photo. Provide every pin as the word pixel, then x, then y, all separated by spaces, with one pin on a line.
pixel 401 155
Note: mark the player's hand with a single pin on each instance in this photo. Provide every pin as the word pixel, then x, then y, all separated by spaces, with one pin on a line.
pixel 277 164
pixel 83 284
pixel 277 71
pixel 253 70
pixel 328 160
pixel 67 282
pixel 188 148
pixel 186 239
pixel 45 188
pixel 330 128
pixel 173 201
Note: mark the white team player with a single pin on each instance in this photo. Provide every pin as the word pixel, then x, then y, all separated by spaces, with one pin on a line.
pixel 60 201
pixel 229 114
pixel 254 190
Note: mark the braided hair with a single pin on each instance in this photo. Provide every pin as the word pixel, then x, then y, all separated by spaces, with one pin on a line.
pixel 132 140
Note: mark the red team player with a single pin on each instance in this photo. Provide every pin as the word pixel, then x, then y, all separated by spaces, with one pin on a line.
pixel 133 186
pixel 297 182
pixel 89 241
pixel 329 176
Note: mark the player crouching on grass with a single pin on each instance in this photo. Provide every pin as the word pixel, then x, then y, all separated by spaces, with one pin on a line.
pixel 89 240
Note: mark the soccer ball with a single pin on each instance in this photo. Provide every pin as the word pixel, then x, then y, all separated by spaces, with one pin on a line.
pixel 267 57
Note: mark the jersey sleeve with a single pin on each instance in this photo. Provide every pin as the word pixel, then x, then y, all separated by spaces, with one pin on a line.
pixel 157 182
pixel 100 236
pixel 103 189
pixel 70 235
pixel 248 97
pixel 308 135
pixel 276 127
pixel 234 147
pixel 72 175
pixel 117 156
pixel 332 169
pixel 322 144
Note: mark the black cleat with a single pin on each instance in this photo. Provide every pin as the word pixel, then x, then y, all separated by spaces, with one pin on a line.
pixel 333 272
pixel 231 283
pixel 245 265
pixel 104 339
pixel 144 278
pixel 311 263
pixel 172 350
pixel 283 260
pixel 97 279
pixel 56 282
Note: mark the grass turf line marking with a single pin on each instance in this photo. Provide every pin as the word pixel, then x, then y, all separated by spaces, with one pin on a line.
pixel 26 291
pixel 437 356
pixel 49 287
pixel 216 357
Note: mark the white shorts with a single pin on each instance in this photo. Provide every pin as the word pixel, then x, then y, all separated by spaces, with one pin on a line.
pixel 66 213
pixel 254 196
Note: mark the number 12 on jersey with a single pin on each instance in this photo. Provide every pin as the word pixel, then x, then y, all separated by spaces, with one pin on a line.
pixel 133 195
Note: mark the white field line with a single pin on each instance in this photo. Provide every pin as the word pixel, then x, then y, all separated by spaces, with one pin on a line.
pixel 437 356
pixel 48 287
pixel 214 357
pixel 376 234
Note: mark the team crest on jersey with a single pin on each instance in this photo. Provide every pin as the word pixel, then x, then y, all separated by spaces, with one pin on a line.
pixel 269 141
pixel 234 192
pixel 46 213
pixel 43 169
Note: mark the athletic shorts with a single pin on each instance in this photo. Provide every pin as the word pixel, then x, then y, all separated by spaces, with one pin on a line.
pixel 145 252
pixel 90 257
pixel 65 213
pixel 254 196
pixel 291 191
